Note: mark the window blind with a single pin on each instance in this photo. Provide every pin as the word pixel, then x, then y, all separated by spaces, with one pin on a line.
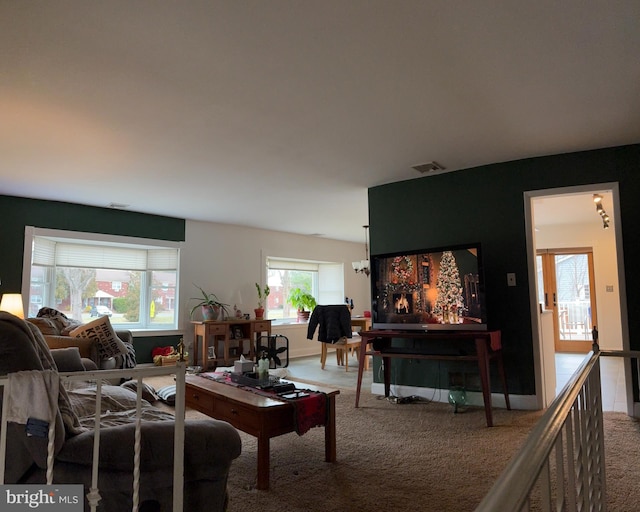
pixel 162 259
pixel 48 252
pixel 284 264
pixel 331 283
pixel 44 252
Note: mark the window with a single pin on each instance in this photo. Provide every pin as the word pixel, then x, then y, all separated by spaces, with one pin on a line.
pixel 323 280
pixel 84 275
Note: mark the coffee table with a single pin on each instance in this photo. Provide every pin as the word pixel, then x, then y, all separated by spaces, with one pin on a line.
pixel 256 415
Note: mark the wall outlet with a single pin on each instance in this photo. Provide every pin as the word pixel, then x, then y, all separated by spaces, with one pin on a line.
pixel 610 288
pixel 511 279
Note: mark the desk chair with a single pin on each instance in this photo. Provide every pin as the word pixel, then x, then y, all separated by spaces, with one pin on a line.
pixel 334 326
pixel 343 351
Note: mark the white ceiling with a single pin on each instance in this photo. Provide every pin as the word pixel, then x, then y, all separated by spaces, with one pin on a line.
pixel 280 114
pixel 572 209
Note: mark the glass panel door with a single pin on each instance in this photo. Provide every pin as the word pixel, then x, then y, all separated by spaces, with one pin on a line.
pixel 574 296
pixel 567 277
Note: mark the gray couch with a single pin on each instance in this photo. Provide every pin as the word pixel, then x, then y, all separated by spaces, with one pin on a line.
pixel 210 445
pixel 56 335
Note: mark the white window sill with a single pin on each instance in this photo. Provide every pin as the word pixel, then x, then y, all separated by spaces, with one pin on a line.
pixel 288 323
pixel 150 332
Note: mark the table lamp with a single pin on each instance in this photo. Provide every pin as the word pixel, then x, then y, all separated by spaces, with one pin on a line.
pixel 12 303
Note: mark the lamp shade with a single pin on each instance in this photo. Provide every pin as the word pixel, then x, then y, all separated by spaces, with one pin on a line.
pixel 12 303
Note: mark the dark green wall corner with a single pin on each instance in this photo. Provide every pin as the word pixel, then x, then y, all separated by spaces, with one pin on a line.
pixel 486 205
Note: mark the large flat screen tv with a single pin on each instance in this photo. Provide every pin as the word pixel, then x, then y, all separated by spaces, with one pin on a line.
pixel 432 289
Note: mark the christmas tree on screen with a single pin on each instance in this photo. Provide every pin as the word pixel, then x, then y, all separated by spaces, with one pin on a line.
pixel 449 302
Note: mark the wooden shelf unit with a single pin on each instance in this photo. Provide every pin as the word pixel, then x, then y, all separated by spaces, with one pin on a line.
pixel 220 335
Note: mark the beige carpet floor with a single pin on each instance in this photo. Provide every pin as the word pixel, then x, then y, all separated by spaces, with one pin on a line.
pixel 410 457
pixel 391 457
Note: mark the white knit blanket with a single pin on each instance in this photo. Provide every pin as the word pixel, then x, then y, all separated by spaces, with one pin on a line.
pixel 33 394
pixel 70 419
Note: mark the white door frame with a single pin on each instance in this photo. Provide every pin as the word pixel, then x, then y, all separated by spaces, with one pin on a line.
pixel 541 364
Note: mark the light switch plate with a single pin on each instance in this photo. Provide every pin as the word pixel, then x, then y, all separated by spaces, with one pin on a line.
pixel 511 279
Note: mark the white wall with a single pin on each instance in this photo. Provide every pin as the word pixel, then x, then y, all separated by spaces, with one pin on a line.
pixel 227 260
pixel 605 268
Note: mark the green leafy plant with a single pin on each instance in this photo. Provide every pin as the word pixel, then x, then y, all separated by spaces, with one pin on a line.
pixel 263 293
pixel 208 300
pixel 301 300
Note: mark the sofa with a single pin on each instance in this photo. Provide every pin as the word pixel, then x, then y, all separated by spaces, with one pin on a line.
pixel 57 328
pixel 210 445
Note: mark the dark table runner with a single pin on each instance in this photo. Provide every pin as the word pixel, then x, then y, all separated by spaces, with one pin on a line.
pixel 309 409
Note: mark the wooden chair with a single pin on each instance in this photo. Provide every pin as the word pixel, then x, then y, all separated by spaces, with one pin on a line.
pixel 343 351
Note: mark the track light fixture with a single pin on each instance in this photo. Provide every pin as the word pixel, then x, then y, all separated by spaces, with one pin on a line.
pixel 597 199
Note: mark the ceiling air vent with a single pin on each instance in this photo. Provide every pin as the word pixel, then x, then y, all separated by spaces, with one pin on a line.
pixel 118 206
pixel 429 167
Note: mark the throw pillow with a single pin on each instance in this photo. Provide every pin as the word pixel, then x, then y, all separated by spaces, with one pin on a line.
pixel 148 392
pixel 167 394
pixel 68 359
pixel 100 330
pixel 89 364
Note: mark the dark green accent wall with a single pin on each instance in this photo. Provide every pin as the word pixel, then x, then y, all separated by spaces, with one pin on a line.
pixel 145 345
pixel 485 204
pixel 18 212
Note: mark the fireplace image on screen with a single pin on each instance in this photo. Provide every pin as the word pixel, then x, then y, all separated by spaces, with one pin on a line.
pixel 402 304
pixel 429 289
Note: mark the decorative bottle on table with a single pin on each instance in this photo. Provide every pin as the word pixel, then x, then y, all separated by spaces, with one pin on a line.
pixel 263 367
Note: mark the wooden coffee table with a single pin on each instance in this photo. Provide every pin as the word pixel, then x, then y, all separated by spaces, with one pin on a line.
pixel 257 415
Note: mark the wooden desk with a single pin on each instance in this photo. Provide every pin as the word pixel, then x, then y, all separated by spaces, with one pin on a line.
pixel 215 333
pixel 362 322
pixel 488 346
pixel 257 415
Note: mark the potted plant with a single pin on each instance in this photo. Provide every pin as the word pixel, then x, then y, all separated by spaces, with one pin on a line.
pixel 263 293
pixel 209 305
pixel 303 301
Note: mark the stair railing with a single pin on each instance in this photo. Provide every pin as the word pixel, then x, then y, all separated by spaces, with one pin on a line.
pixel 561 465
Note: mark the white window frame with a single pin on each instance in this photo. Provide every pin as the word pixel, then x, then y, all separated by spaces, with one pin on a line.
pixel 328 287
pixel 106 240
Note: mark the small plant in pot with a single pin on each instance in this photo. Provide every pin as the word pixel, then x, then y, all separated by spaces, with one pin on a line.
pixel 263 293
pixel 303 301
pixel 210 306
